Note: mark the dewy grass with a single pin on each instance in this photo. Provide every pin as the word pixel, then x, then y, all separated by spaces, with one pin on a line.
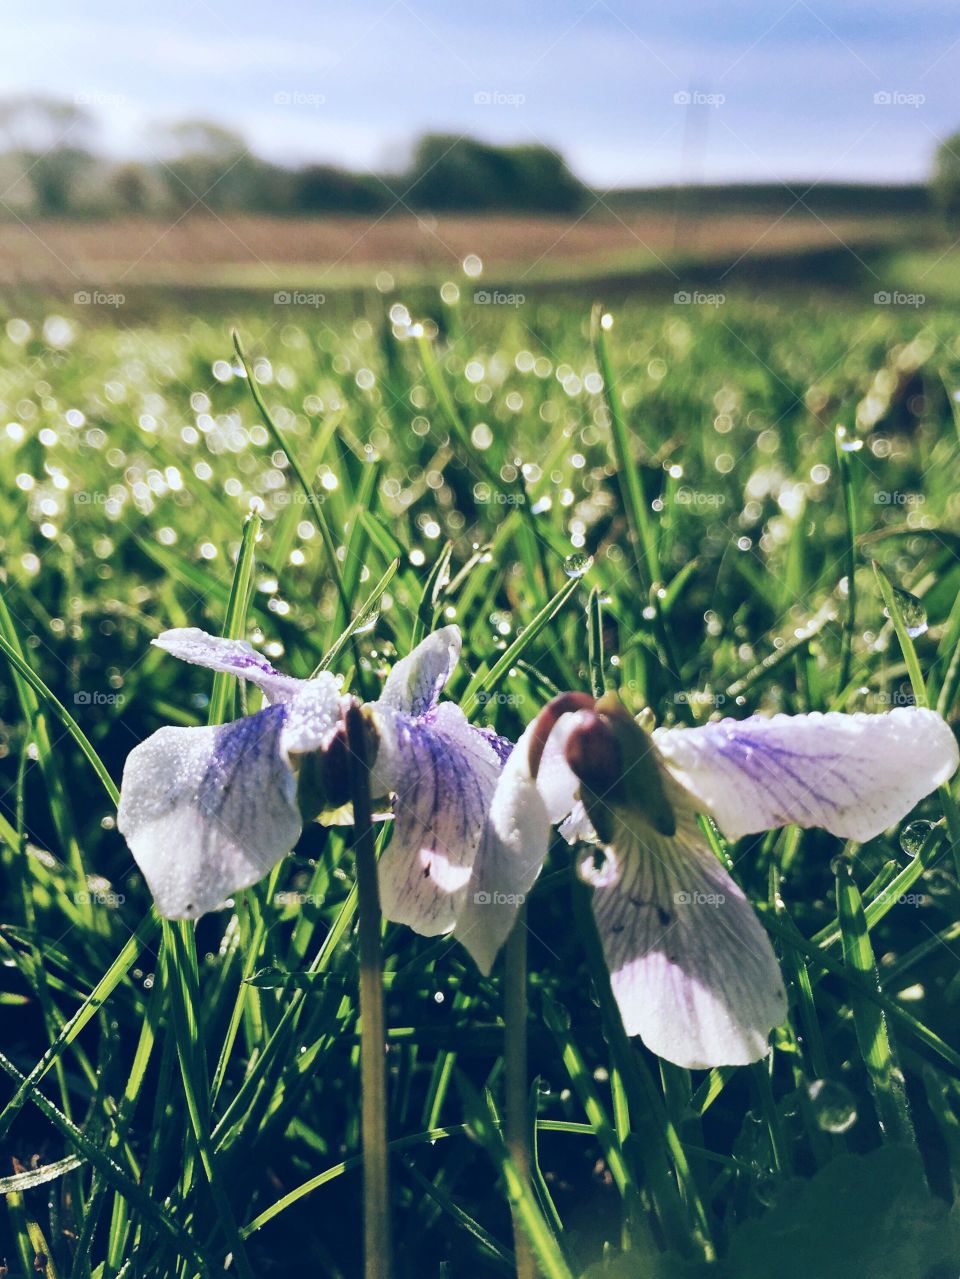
pixel 189 1102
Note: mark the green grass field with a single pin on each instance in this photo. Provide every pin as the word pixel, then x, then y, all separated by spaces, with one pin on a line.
pixel 177 1103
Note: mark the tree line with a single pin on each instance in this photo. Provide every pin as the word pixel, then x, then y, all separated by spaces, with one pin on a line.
pixel 50 167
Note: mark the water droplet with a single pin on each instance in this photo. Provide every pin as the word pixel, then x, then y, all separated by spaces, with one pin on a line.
pixel 577 564
pixel 367 623
pixel 840 865
pixel 912 611
pixel 834 1106
pixel 913 837
pixel 848 443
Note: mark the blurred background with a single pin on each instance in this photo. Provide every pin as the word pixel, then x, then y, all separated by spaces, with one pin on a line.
pixel 216 149
pixel 407 209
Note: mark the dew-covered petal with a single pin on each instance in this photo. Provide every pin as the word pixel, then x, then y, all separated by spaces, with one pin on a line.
pixel 312 714
pixel 208 811
pixel 853 775
pixel 692 968
pixel 418 679
pixel 235 657
pixel 558 784
pixel 511 853
pixel 442 773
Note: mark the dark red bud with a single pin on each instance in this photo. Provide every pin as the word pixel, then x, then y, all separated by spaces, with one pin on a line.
pixel 593 752
pixel 546 722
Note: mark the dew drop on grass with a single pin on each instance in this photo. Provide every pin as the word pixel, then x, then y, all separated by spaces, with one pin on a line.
pixel 848 443
pixel 912 611
pixel 577 564
pixel 834 1106
pixel 367 623
pixel 913 837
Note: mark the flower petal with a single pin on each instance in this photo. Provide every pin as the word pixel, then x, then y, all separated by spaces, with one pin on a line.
pixel 208 811
pixel 557 782
pixel 691 966
pixel 854 775
pixel 416 681
pixel 312 714
pixel 235 657
pixel 511 853
pixel 443 773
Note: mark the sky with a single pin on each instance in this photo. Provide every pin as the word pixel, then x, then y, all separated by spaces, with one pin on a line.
pixel 633 94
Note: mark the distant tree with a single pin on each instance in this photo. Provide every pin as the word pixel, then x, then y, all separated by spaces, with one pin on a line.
pixel 48 137
pixel 541 180
pixel 132 188
pixel 204 163
pixel 461 173
pixel 945 183
pixel 323 188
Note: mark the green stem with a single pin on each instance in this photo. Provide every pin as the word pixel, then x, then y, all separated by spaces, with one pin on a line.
pixel 516 1075
pixel 850 560
pixel 373 1081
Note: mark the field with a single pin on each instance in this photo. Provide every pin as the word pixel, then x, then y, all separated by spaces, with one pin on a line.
pixel 178 1102
pixel 205 250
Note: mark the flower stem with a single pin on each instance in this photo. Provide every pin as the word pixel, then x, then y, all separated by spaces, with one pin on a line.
pixel 373 1083
pixel 515 1070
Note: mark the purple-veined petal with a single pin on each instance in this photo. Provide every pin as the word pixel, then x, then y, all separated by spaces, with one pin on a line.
pixel 501 745
pixel 512 850
pixel 235 657
pixel 692 968
pixel 442 773
pixel 418 679
pixel 853 775
pixel 208 811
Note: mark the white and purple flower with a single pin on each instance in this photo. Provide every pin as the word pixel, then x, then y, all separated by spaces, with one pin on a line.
pixel 691 966
pixel 441 772
pixel 208 811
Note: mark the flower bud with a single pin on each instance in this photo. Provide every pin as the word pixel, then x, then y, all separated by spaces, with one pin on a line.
pixel 323 776
pixel 616 762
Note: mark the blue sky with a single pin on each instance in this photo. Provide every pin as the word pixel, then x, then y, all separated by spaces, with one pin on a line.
pixel 782 89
